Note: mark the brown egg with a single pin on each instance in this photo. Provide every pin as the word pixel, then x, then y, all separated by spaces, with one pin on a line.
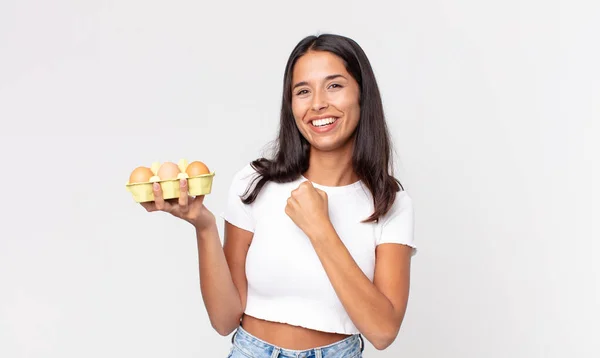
pixel 196 168
pixel 168 170
pixel 140 175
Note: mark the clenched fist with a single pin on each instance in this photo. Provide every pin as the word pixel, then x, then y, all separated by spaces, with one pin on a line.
pixel 308 208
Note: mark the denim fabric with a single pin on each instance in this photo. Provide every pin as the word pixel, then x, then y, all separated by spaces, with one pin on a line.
pixel 246 345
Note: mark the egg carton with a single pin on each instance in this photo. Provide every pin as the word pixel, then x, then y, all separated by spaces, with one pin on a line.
pixel 197 185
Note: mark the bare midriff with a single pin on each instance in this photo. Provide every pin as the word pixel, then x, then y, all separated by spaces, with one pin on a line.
pixel 288 336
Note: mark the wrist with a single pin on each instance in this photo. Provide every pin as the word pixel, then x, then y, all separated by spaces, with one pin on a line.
pixel 322 231
pixel 204 231
pixel 204 221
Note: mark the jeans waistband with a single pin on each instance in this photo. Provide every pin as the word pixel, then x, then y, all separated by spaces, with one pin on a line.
pixel 243 336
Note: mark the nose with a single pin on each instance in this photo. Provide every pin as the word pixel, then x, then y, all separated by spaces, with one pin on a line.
pixel 319 102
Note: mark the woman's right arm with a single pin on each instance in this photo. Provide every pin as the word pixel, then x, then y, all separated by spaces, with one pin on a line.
pixel 222 268
pixel 223 275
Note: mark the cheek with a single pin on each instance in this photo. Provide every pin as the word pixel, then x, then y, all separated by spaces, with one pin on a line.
pixel 299 110
pixel 351 106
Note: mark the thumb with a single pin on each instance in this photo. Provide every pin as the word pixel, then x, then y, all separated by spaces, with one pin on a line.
pixel 199 199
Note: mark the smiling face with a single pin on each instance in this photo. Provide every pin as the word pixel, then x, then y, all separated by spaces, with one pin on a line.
pixel 325 100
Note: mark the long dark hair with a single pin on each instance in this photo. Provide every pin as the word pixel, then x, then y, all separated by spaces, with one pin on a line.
pixel 372 149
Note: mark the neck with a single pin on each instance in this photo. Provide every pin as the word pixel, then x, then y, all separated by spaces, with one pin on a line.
pixel 331 168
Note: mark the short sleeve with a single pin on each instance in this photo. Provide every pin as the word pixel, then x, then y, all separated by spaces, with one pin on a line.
pixel 236 212
pixel 397 226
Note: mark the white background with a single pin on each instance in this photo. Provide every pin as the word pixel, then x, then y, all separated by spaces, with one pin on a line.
pixel 493 107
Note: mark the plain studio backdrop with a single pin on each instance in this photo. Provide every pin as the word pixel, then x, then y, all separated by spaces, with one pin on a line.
pixel 493 108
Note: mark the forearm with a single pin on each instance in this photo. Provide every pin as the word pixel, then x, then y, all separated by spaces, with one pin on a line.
pixel 220 295
pixel 368 308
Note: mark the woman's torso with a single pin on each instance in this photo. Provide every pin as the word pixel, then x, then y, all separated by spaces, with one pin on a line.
pixel 286 280
pixel 288 287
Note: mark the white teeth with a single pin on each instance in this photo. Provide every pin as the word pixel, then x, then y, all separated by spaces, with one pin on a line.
pixel 323 122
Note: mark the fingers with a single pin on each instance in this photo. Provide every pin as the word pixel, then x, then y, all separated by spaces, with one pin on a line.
pixel 292 202
pixel 183 196
pixel 159 202
pixel 289 208
pixel 306 184
pixel 322 193
pixel 181 207
pixel 295 193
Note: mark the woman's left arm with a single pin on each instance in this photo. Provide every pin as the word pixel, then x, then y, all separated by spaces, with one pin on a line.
pixel 376 308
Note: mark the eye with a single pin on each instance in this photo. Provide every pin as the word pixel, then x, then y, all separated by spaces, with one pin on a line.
pixel 335 85
pixel 301 92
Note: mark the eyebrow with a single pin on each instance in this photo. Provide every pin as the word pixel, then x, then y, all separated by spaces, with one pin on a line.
pixel 328 78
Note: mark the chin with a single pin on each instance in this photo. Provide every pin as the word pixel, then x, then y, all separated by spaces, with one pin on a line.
pixel 323 148
pixel 327 147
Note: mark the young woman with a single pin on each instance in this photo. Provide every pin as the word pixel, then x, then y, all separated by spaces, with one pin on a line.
pixel 319 238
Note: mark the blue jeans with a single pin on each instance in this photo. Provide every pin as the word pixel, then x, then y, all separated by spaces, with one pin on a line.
pixel 246 345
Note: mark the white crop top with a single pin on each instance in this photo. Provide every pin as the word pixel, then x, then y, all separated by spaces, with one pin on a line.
pixel 286 281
